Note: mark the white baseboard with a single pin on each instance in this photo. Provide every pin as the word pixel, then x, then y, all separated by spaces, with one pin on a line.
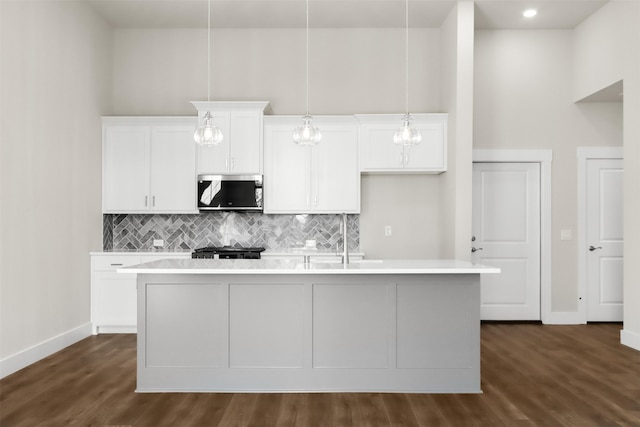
pixel 119 329
pixel 563 318
pixel 630 339
pixel 46 348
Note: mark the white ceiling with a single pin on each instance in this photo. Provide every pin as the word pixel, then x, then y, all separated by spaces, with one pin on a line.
pixel 490 14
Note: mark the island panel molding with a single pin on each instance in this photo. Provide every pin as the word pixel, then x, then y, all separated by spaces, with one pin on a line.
pixel 276 326
pixel 342 341
pixel 266 325
pixel 175 310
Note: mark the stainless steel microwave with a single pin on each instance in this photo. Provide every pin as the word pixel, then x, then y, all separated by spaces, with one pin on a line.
pixel 230 192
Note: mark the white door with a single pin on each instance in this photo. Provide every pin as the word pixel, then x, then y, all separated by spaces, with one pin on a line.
pixel 506 229
pixel 604 240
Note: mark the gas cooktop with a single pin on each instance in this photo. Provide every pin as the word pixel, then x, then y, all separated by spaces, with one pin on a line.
pixel 227 252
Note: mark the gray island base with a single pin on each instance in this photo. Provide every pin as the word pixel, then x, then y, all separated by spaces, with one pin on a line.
pixel 278 326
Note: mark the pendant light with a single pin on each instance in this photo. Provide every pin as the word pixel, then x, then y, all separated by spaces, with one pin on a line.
pixel 208 134
pixel 307 133
pixel 407 135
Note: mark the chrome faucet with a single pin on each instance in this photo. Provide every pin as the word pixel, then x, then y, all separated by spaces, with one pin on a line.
pixel 345 244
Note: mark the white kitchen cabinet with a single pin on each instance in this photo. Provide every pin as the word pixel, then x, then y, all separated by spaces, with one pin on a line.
pixel 113 294
pixel 378 153
pixel 240 152
pixel 321 179
pixel 149 165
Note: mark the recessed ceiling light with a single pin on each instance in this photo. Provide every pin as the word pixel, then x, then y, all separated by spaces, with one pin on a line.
pixel 529 13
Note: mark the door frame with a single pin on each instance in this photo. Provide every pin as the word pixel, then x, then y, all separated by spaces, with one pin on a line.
pixel 544 158
pixel 585 154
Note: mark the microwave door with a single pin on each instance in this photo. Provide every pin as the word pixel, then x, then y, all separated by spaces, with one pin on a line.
pixel 230 195
pixel 209 194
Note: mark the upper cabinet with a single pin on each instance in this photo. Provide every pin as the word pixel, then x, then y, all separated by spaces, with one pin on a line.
pixel 378 153
pixel 148 165
pixel 240 152
pixel 321 179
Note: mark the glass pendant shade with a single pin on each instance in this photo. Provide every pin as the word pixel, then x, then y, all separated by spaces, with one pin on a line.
pixel 407 135
pixel 208 134
pixel 307 133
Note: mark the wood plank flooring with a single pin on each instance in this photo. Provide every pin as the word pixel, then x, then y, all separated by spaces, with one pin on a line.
pixel 532 375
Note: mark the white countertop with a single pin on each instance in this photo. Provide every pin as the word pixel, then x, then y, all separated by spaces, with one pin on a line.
pixel 267 266
pixel 267 253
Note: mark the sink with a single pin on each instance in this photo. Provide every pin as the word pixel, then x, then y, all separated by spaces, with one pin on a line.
pixel 353 261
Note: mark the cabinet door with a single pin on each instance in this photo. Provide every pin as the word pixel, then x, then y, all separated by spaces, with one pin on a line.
pixel 287 172
pixel 336 177
pixel 113 295
pixel 378 153
pixel 430 153
pixel 125 169
pixel 173 177
pixel 215 159
pixel 115 308
pixel 245 143
pixel 378 150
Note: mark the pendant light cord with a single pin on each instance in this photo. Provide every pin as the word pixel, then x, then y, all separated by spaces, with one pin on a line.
pixel 209 53
pixel 406 81
pixel 307 59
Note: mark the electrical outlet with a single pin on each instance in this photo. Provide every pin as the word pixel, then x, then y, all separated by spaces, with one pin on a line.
pixel 387 230
pixel 158 243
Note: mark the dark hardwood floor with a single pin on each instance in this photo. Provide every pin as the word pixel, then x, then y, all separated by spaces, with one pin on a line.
pixel 532 375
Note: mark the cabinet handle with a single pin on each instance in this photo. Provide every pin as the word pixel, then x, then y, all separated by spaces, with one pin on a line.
pixel 233 163
pixel 315 201
pixel 401 159
pixel 146 201
pixel 117 264
pixel 153 201
pixel 226 164
pixel 406 159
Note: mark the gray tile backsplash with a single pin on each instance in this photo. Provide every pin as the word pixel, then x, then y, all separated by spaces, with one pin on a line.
pixel 186 232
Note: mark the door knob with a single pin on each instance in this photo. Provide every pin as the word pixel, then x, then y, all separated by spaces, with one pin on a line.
pixel 593 248
pixel 474 249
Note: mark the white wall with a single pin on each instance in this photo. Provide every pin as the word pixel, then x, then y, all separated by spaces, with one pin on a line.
pixel 524 100
pixel 607 49
pixel 55 86
pixel 602 47
pixel 351 71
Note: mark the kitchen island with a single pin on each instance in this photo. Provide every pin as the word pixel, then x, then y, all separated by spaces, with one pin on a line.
pixel 283 326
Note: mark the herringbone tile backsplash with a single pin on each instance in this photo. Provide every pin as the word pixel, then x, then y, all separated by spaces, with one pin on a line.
pixel 187 232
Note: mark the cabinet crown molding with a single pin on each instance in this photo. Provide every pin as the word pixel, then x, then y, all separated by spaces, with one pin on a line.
pixel 149 120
